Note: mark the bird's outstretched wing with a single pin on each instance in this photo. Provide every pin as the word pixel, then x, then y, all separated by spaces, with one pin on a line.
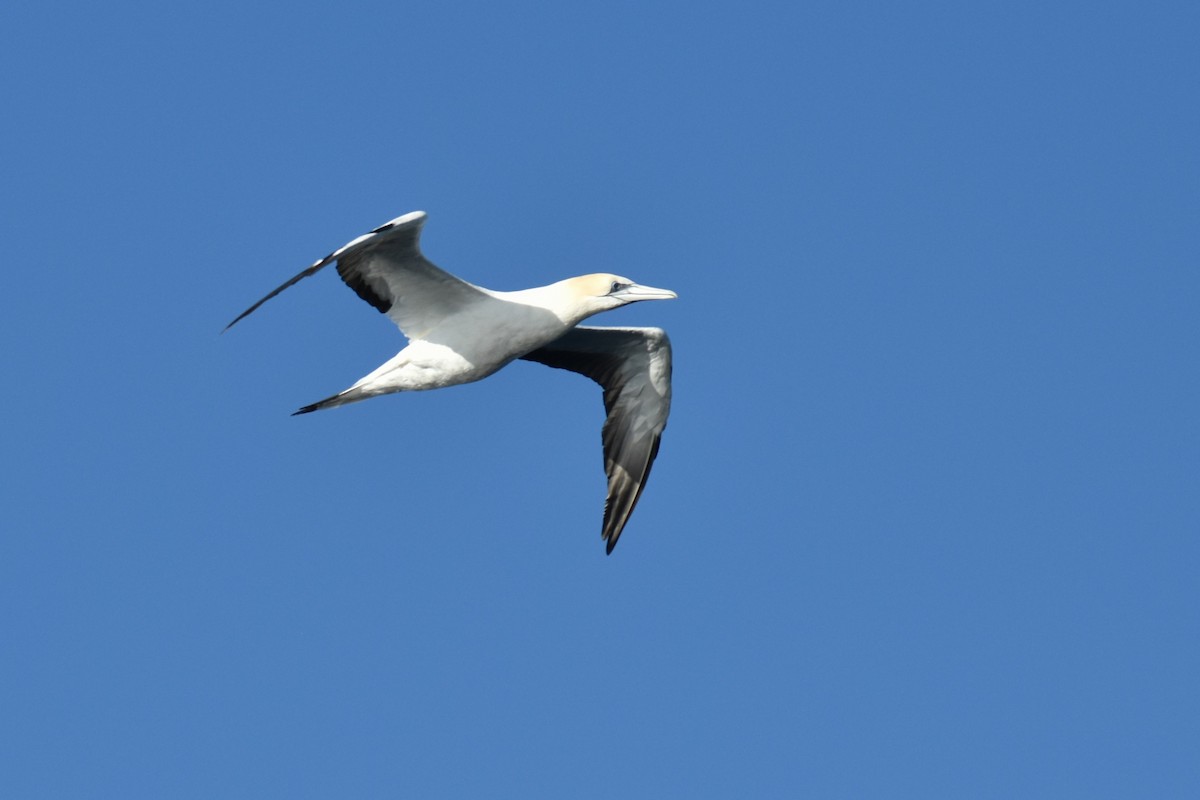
pixel 633 365
pixel 385 267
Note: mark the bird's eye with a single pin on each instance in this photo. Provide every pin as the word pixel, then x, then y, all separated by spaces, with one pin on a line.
pixel 617 286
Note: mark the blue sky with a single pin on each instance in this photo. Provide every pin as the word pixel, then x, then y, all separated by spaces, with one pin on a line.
pixel 924 522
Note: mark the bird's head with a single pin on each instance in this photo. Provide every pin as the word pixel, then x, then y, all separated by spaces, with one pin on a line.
pixel 603 291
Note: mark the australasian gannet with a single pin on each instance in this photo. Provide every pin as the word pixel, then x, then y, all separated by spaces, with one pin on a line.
pixel 459 333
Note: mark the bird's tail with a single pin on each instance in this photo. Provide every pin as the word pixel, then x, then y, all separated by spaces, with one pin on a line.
pixel 351 395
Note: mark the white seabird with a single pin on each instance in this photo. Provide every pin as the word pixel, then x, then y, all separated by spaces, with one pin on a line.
pixel 459 333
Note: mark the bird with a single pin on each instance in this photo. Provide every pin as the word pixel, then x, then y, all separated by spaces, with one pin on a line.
pixel 460 333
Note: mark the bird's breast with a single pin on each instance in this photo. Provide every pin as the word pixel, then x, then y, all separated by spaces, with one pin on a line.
pixel 492 334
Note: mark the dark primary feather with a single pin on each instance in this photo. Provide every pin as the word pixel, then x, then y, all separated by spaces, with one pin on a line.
pixel 633 365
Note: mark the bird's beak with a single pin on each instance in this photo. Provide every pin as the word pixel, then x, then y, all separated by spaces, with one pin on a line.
pixel 636 292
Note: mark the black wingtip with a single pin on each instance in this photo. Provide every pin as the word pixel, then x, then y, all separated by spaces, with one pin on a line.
pixel 317 406
pixel 328 402
pixel 247 312
pixel 340 399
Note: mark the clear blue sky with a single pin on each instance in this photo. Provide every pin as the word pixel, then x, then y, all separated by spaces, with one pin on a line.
pixel 925 519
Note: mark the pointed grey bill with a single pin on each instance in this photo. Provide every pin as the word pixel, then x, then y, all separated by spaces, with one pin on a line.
pixel 386 269
pixel 637 292
pixel 633 365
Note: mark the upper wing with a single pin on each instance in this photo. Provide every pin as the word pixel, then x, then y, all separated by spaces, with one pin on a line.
pixel 385 267
pixel 633 365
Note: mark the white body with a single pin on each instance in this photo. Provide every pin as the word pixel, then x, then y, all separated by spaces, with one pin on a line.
pixel 455 352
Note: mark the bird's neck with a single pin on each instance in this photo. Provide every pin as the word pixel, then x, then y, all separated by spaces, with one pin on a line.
pixel 562 299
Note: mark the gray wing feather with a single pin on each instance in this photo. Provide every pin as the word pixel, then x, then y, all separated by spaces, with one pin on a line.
pixel 633 365
pixel 386 269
